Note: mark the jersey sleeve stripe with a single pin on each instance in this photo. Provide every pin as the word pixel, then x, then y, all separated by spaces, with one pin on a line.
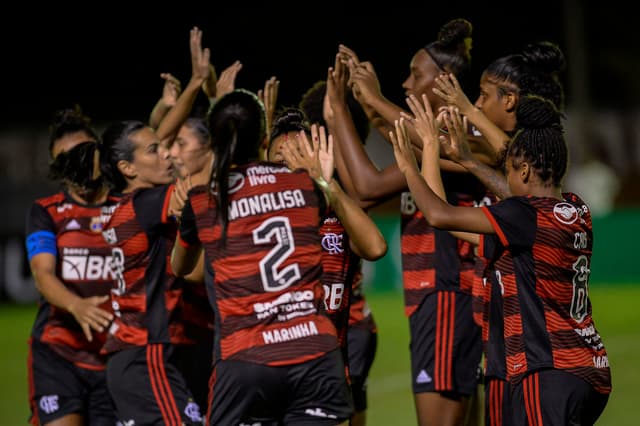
pixel 496 226
pixel 165 206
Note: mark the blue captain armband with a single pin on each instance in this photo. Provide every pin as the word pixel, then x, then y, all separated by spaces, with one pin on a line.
pixel 41 242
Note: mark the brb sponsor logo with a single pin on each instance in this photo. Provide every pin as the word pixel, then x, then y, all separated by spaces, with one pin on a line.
pixel 79 265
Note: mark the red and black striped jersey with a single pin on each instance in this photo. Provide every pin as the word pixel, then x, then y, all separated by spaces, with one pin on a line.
pixel 360 315
pixel 265 281
pixel 83 265
pixel 195 312
pixel 479 304
pixel 339 265
pixel 488 306
pixel 145 291
pixel 433 259
pixel 547 311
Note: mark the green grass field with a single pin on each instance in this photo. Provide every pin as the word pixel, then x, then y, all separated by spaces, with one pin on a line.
pixel 390 399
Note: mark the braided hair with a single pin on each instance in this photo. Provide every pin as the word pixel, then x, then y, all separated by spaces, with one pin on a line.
pixel 540 140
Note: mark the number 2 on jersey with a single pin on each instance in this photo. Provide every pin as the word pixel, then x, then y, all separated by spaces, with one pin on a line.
pixel 276 229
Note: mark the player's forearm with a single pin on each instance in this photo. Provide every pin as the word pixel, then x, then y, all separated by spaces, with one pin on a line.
pixel 343 129
pixel 434 209
pixel 362 172
pixel 366 239
pixel 175 118
pixel 209 84
pixel 431 170
pixel 158 113
pixel 495 182
pixel 184 258
pixel 54 291
pixel 496 137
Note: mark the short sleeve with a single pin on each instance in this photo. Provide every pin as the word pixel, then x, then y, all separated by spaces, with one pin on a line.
pixel 151 206
pixel 514 221
pixel 40 231
pixel 488 246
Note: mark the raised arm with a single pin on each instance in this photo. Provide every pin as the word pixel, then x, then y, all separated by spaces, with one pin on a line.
pixel 269 97
pixel 365 238
pixel 175 118
pixel 340 122
pixel 170 92
pixel 347 56
pixel 209 86
pixel 457 149
pixel 227 81
pixel 369 183
pixel 428 128
pixel 438 212
pixel 366 88
pixel 448 88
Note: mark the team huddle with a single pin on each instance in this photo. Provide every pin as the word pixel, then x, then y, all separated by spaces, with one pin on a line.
pixel 206 268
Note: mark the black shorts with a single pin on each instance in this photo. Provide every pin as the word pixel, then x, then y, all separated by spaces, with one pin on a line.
pixel 58 387
pixel 311 393
pixel 149 390
pixel 445 345
pixel 362 344
pixel 195 363
pixel 565 399
pixel 497 402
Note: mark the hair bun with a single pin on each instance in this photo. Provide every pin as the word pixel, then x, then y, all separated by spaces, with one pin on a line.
pixel 544 56
pixel 455 32
pixel 290 115
pixel 290 119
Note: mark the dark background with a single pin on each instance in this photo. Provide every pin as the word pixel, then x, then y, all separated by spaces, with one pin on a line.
pixel 108 57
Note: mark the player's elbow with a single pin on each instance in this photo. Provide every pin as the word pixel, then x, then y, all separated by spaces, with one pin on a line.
pixel 369 191
pixel 376 248
pixel 378 251
pixel 438 218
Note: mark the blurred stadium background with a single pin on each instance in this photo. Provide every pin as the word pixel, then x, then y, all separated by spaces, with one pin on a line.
pixel 113 74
